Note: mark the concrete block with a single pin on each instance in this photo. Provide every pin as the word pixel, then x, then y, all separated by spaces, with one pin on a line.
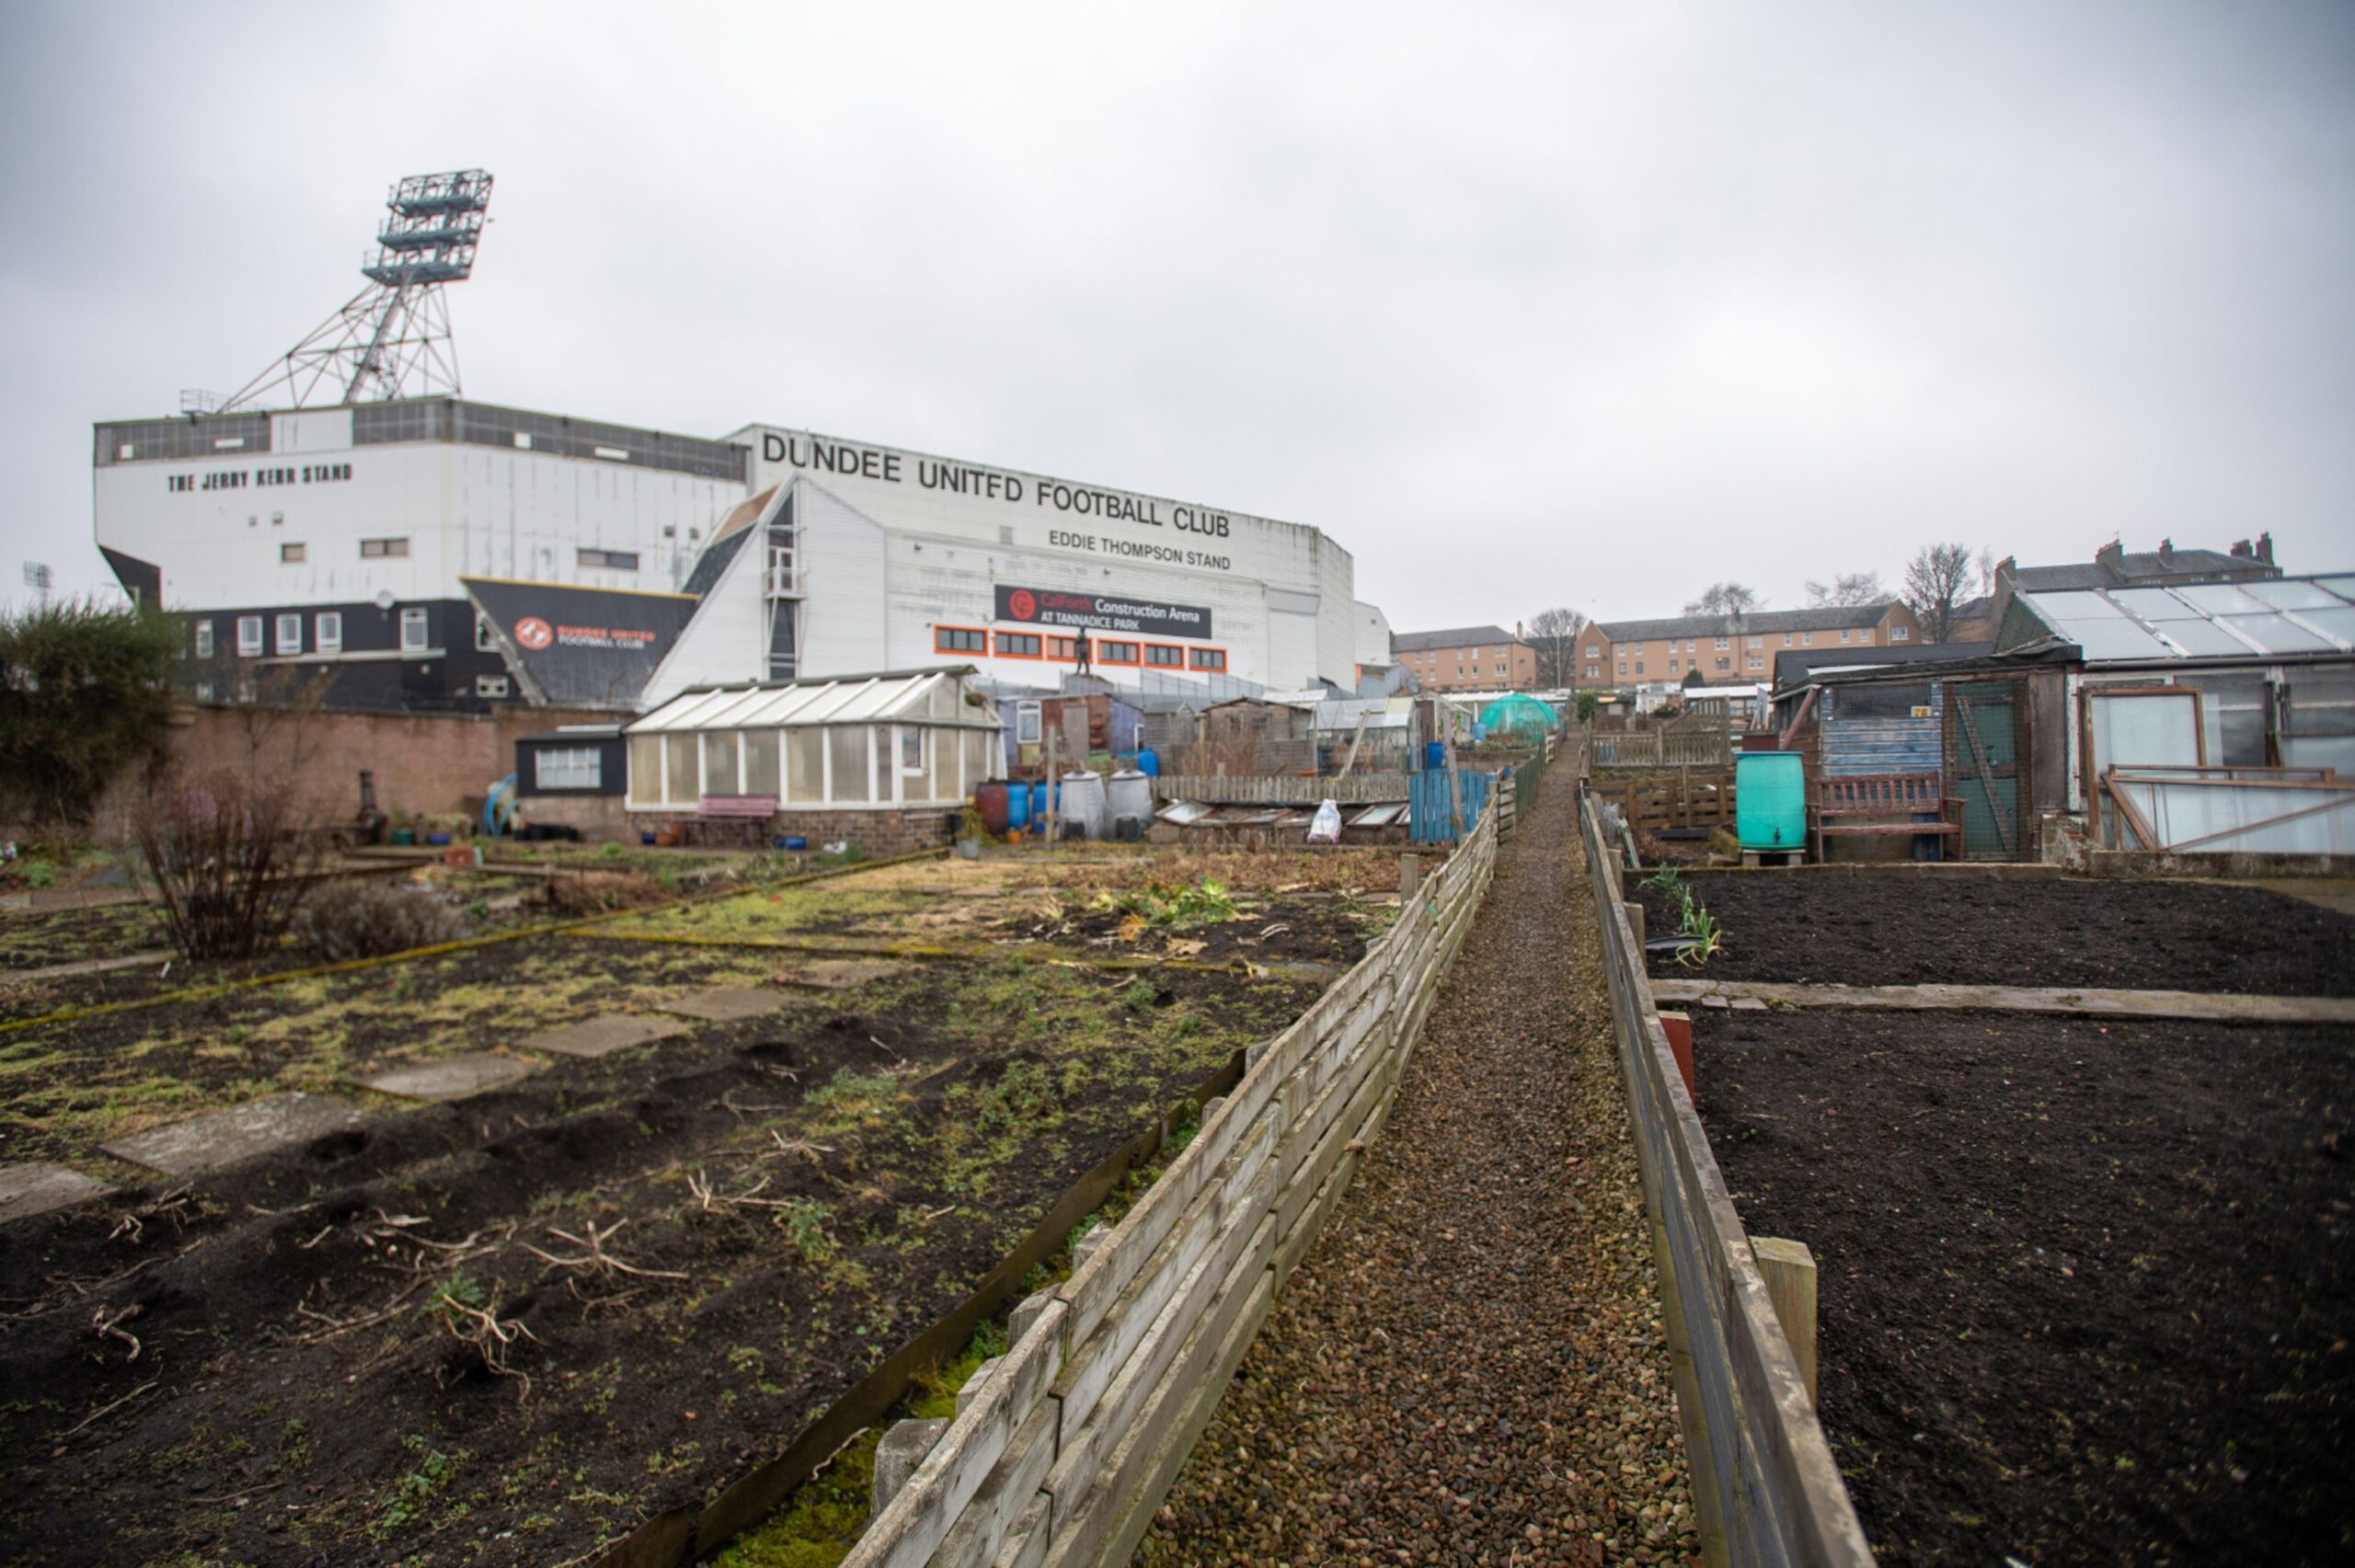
pixel 38 1189
pixel 725 1004
pixel 224 1138
pixel 451 1078
pixel 602 1035
pixel 1089 1244
pixel 903 1449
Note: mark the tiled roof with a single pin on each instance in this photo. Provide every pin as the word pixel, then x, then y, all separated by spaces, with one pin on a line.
pixel 1454 636
pixel 1824 618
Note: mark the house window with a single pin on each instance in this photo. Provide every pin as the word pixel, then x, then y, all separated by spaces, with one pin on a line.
pixel 382 549
pixel 1623 666
pixel 490 685
pixel 1640 668
pixel 1638 650
pixel 610 560
pixel 1593 671
pixel 1116 653
pixel 326 631
pixel 293 554
pixel 1757 661
pixel 1868 633
pixel 204 640
pixel 486 635
pixel 960 639
pixel 1674 665
pixel 1808 638
pixel 1500 667
pixel 1901 634
pixel 1210 658
pixel 1027 720
pixel 250 636
pixel 1721 641
pixel 1015 644
pixel 1725 664
pixel 1162 656
pixel 415 636
pixel 1786 639
pixel 569 767
pixel 1591 650
pixel 1843 634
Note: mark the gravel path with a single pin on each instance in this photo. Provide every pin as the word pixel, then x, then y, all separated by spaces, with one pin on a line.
pixel 1469 1368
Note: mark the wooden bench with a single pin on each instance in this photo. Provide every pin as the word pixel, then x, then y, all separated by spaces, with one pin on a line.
pixel 1919 796
pixel 729 819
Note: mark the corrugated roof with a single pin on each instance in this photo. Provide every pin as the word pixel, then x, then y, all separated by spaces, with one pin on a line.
pixel 1454 636
pixel 850 699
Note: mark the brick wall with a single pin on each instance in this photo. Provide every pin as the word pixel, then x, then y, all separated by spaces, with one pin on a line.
pixel 879 833
pixel 423 763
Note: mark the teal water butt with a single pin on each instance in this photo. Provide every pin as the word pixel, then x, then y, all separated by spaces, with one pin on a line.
pixel 1769 800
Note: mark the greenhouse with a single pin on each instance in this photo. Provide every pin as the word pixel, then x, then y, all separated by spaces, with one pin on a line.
pixel 908 739
pixel 1518 715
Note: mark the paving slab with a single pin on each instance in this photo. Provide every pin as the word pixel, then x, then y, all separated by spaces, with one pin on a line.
pixel 725 1004
pixel 602 1035
pixel 36 1187
pixel 224 1138
pixel 451 1078
pixel 840 974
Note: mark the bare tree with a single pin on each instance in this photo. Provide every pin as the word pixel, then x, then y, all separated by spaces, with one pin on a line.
pixel 1726 599
pixel 1848 588
pixel 1937 579
pixel 1554 634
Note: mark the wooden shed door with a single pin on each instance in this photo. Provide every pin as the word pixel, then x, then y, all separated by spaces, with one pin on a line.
pixel 1985 769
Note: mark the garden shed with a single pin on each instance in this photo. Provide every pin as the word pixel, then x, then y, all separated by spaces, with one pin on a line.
pixel 881 760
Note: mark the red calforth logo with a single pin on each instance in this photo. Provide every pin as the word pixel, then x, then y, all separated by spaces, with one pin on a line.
pixel 534 633
pixel 1025 607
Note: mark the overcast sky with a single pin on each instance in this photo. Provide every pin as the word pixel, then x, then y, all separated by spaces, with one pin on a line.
pixel 1526 306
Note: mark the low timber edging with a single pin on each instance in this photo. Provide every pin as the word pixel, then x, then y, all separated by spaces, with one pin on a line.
pixel 1763 1481
pixel 1280 789
pixel 1074 1437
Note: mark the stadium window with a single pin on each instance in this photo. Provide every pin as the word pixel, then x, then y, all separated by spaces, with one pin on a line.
pixel 960 639
pixel 610 560
pixel 293 554
pixel 1062 647
pixel 204 640
pixel 1018 644
pixel 1164 655
pixel 486 635
pixel 289 634
pixel 490 685
pixel 1209 658
pixel 250 636
pixel 382 549
pixel 415 635
pixel 1116 653
pixel 326 631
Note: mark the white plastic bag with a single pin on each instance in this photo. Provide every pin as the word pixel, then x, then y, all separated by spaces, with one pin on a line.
pixel 1326 828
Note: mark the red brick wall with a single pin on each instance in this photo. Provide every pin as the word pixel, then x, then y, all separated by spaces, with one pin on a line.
pixel 878 832
pixel 425 764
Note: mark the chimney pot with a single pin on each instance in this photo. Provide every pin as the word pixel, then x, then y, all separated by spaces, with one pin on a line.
pixel 2110 556
pixel 2265 548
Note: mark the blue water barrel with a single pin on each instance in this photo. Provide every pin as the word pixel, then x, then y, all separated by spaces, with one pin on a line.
pixel 1769 800
pixel 1434 755
pixel 1017 804
pixel 1149 762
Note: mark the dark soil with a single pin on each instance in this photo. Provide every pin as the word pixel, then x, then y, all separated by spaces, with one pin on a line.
pixel 296 1398
pixel 1903 927
pixel 2086 1292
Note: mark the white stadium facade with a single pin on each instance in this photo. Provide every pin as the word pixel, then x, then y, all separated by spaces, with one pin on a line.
pixel 436 552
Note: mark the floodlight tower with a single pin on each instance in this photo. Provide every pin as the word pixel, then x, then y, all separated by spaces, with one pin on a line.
pixel 393 339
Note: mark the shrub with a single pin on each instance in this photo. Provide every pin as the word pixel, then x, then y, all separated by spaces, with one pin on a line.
pixel 229 859
pixel 599 891
pixel 367 920
pixel 83 693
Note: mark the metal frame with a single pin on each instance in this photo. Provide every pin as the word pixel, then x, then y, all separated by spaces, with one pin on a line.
pixel 392 339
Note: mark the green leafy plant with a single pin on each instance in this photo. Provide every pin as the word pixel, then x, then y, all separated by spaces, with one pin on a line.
pixel 1181 908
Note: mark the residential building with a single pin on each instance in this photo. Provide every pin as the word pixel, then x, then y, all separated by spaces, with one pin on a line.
pixel 1467 658
pixel 1728 649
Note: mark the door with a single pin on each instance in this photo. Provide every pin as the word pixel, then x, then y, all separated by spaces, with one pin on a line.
pixel 1986 768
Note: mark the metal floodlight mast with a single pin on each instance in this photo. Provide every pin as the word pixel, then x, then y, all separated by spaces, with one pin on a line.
pixel 392 339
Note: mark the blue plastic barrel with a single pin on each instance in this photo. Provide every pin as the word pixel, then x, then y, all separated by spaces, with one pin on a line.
pixel 1149 762
pixel 1017 804
pixel 1434 755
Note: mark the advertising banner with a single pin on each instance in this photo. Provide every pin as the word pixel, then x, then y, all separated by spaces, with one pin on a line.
pixel 1101 612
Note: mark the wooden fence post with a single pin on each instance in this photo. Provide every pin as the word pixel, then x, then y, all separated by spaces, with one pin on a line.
pixel 1789 1270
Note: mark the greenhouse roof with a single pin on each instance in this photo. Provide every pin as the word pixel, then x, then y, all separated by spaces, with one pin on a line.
pixel 849 699
pixel 2244 620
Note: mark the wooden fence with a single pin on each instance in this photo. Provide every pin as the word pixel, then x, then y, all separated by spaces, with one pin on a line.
pixel 1076 1435
pixel 1764 1483
pixel 1709 747
pixel 1680 797
pixel 1277 789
